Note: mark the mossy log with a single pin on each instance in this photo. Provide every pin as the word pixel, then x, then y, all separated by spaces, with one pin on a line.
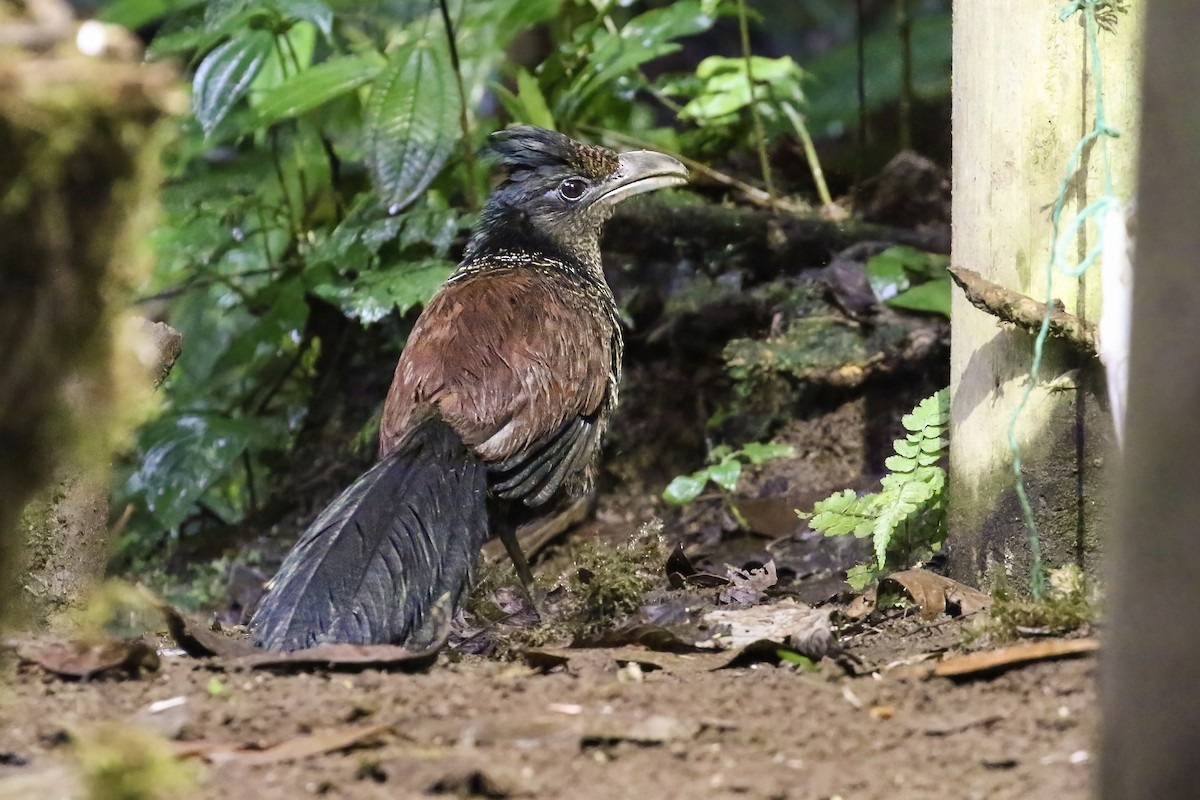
pixel 77 180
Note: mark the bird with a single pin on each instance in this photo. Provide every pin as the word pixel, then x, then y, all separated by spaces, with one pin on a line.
pixel 502 393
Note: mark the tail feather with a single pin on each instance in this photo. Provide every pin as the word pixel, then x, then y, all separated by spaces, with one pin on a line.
pixel 391 548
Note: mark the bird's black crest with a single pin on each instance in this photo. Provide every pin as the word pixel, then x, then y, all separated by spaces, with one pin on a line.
pixel 525 147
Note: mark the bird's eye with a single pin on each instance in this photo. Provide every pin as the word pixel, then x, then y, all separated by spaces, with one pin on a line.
pixel 572 189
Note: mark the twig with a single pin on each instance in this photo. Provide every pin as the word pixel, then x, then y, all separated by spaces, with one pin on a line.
pixel 810 153
pixel 463 120
pixel 752 194
pixel 1023 311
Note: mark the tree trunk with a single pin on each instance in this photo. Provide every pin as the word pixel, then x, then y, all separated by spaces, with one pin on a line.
pixel 1151 707
pixel 1023 97
pixel 77 175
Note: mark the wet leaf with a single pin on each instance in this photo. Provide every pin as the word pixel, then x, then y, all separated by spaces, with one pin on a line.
pixel 411 124
pixel 932 297
pixel 184 455
pixel 226 73
pixel 726 474
pixel 376 293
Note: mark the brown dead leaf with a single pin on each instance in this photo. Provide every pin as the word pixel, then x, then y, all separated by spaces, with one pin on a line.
pixel 749 586
pixel 934 593
pixel 989 661
pixel 199 640
pixel 545 658
pixel 649 730
pixel 87 659
pixel 326 740
pixel 343 656
pixel 788 623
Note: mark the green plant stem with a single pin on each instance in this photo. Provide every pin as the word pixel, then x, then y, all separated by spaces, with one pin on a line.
pixel 463 120
pixel 810 153
pixel 759 131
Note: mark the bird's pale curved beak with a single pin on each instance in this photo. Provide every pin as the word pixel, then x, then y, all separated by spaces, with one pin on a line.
pixel 642 171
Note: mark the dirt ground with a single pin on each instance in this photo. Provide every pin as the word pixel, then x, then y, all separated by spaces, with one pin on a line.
pixel 594 728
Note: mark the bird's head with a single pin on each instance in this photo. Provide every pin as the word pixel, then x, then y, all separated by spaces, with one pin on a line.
pixel 559 192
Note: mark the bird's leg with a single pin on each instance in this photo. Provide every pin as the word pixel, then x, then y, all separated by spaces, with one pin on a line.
pixel 508 535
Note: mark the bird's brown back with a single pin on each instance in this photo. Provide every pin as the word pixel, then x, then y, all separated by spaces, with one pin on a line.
pixel 522 360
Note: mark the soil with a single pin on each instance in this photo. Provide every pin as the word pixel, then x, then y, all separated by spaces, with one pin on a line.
pixel 620 721
pixel 594 729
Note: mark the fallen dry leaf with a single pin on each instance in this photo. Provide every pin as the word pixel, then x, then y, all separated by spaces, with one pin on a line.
pixel 653 729
pixel 326 740
pixel 351 656
pixel 788 623
pixel 934 593
pixel 84 660
pixel 545 658
pixel 749 586
pixel 199 640
pixel 988 661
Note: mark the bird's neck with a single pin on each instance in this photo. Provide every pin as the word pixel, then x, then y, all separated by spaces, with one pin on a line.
pixel 507 230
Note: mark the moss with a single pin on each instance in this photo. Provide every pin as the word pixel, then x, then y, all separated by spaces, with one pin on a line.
pixel 603 585
pixel 122 762
pixel 1070 604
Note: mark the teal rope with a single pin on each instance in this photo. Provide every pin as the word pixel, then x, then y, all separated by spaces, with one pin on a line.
pixel 1059 241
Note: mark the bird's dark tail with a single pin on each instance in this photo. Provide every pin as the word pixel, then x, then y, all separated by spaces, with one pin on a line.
pixel 398 543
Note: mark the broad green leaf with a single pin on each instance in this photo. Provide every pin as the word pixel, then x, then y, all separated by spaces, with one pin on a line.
pixel 644 38
pixel 932 297
pixel 899 464
pixel 758 452
pixel 183 456
pixel 375 293
pixel 226 73
pixel 316 86
pixel 312 11
pixel 906 448
pixel 726 474
pixel 292 54
pixel 928 459
pixel 685 488
pixel 411 124
pixel 887 275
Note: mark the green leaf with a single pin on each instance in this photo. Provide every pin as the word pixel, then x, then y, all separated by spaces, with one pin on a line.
pixel 183 456
pixel 375 293
pixel 644 38
pixel 226 73
pixel 685 488
pixel 726 474
pixel 316 86
pixel 134 14
pixel 906 448
pixel 899 464
pixel 317 13
pixel 758 452
pixel 886 274
pixel 537 112
pixel 932 297
pixel 789 656
pixel 928 459
pixel 862 575
pixel 411 124
pixel 935 444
